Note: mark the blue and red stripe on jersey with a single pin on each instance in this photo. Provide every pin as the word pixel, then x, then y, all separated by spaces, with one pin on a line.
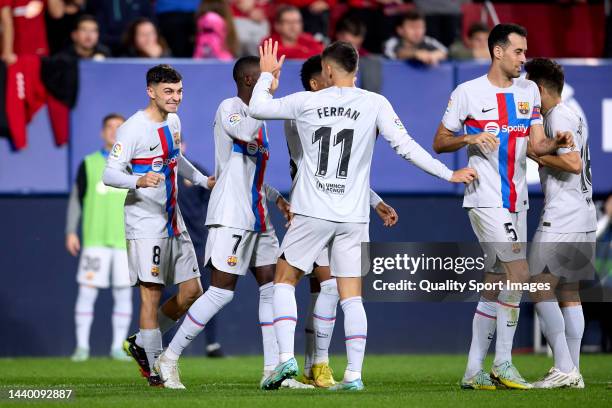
pixel 261 154
pixel 506 107
pixel 170 157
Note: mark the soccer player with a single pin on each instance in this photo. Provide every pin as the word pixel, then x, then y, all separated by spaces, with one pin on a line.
pixel 146 159
pixel 324 295
pixel 501 115
pixel 567 224
pixel 337 128
pixel 241 235
pixel 100 209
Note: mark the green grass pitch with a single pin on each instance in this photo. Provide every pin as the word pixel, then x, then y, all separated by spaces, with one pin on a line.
pixel 391 380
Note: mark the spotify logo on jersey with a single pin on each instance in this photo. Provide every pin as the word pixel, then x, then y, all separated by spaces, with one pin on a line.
pixel 492 128
pixel 157 164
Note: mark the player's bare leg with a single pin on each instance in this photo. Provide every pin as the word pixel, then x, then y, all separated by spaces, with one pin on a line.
pixel 483 330
pixel 355 332
pixel 285 318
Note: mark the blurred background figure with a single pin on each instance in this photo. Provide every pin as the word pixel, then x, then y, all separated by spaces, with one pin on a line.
pixel 315 15
pixel 59 29
pixel 193 202
pixel 85 40
pixel 443 18
pixel 103 260
pixel 293 42
pixel 475 47
pixel 412 44
pixel 176 25
pixel 142 40
pixel 215 31
pixel 114 17
pixel 23 27
pixel 252 25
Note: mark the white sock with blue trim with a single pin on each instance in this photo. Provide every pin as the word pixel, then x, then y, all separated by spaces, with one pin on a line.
pixel 285 318
pixel 355 335
pixel 325 319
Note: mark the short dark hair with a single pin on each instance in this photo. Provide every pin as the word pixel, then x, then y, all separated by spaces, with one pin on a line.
pixel 547 73
pixel 411 15
pixel 500 33
pixel 477 28
pixel 352 25
pixel 163 73
pixel 310 68
pixel 242 65
pixel 282 10
pixel 82 19
pixel 342 53
pixel 111 116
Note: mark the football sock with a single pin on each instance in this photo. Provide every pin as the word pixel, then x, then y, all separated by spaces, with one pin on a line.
pixel 325 319
pixel 355 335
pixel 200 312
pixel 122 315
pixel 83 314
pixel 553 327
pixel 483 330
pixel 285 318
pixel 309 352
pixel 165 324
pixel 152 343
pixel 266 315
pixel 574 328
pixel 508 311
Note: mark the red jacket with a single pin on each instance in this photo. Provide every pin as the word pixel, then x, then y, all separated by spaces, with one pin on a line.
pixel 305 47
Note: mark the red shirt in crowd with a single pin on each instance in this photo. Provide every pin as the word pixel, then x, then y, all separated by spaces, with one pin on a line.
pixel 305 3
pixel 305 47
pixel 30 33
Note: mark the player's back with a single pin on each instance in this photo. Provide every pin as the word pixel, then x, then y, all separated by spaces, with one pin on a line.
pixel 568 201
pixel 337 130
pixel 241 156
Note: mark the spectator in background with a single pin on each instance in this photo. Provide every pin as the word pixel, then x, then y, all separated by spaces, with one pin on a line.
pixel 476 46
pixel 412 44
pixel 443 18
pixel 315 15
pixel 352 30
pixel 85 43
pixel 114 16
pixel 216 34
pixel 176 25
pixel 252 25
pixel 374 13
pixel 293 42
pixel 59 29
pixel 23 27
pixel 142 40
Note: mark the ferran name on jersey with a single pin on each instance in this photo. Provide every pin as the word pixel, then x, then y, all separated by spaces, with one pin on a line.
pixel 328 111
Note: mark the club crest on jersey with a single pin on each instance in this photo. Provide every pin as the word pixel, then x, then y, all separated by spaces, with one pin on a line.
pixel 155 270
pixel 116 151
pixel 177 138
pixel 234 118
pixel 399 124
pixel 232 260
pixel 523 108
pixel 157 164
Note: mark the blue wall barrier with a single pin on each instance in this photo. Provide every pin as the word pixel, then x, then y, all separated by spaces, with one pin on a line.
pixel 419 96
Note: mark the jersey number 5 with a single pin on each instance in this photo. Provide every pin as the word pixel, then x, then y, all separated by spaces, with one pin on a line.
pixel 343 138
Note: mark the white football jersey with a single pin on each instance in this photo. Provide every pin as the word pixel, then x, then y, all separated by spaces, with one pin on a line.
pixel 242 152
pixel 337 128
pixel 568 197
pixel 143 146
pixel 478 106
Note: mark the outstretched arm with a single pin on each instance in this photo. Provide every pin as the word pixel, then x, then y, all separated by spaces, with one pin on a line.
pixel 188 170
